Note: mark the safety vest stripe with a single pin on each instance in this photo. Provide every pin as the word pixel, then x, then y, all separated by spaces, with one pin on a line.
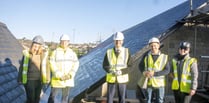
pixel 25 65
pixel 162 58
pixel 24 72
pixel 111 57
pixel 156 66
pixel 186 66
pixel 125 57
pixel 109 53
pixel 175 78
pixel 44 69
pixel 65 60
pixel 187 81
pixel 162 63
pixel 145 62
pixel 184 77
pixel 117 63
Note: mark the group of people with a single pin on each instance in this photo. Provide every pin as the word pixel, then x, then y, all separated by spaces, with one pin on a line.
pixel 154 66
pixel 41 67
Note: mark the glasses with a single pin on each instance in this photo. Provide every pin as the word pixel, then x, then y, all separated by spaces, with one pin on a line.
pixel 185 48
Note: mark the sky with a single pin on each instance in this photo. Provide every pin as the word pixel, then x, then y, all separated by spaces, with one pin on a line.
pixel 85 21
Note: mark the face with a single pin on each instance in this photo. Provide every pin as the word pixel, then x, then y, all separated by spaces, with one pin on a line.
pixel 35 48
pixel 118 43
pixel 154 47
pixel 64 43
pixel 183 51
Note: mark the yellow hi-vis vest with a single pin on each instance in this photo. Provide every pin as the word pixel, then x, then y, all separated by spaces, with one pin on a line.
pixel 117 63
pixel 158 65
pixel 44 68
pixel 25 66
pixel 185 83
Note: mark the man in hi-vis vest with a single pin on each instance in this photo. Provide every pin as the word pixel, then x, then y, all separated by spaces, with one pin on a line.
pixel 64 65
pixel 116 63
pixel 154 65
pixel 34 71
pixel 185 74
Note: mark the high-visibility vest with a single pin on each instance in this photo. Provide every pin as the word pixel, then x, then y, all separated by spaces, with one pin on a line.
pixel 63 62
pixel 117 63
pixel 185 82
pixel 25 66
pixel 44 70
pixel 158 65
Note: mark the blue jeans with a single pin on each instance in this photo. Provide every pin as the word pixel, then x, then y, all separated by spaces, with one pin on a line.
pixel 60 95
pixel 159 94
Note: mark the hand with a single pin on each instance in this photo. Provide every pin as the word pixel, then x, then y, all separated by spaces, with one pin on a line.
pixel 65 77
pixel 149 74
pixel 192 92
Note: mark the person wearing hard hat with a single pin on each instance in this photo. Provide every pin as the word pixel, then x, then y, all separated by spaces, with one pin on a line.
pixel 34 71
pixel 64 65
pixel 154 65
pixel 116 63
pixel 184 73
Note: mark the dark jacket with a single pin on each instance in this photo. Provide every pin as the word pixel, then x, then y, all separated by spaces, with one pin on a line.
pixel 35 73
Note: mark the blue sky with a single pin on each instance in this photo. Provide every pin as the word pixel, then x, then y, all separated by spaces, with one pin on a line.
pixel 83 20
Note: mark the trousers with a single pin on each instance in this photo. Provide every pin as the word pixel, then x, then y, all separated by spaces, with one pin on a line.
pixel 60 95
pixel 121 88
pixel 33 91
pixel 181 97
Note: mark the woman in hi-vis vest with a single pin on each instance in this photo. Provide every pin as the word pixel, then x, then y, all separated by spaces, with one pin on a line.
pixel 184 73
pixel 116 64
pixel 34 72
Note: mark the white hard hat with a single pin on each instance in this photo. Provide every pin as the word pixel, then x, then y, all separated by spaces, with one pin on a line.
pixel 64 37
pixel 38 39
pixel 154 40
pixel 118 36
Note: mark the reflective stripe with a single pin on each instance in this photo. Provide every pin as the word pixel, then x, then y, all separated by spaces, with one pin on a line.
pixel 117 63
pixel 175 79
pixel 24 72
pixel 25 66
pixel 185 84
pixel 187 81
pixel 65 60
pixel 45 73
pixel 119 66
pixel 156 66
